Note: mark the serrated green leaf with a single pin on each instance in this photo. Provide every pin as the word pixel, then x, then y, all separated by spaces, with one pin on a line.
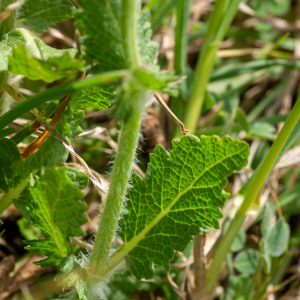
pixel 100 22
pixel 9 153
pixel 147 48
pixel 180 197
pixel 278 238
pixel 94 97
pixel 78 178
pixel 35 69
pixel 247 261
pixel 57 212
pixel 39 15
pixel 266 225
pixel 35 47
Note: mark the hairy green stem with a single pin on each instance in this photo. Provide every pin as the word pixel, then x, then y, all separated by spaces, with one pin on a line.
pixel 6 25
pixel 223 13
pixel 118 186
pixel 253 191
pixel 127 144
pixel 129 21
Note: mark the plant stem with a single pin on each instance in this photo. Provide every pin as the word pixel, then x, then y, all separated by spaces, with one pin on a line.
pixel 254 189
pixel 127 144
pixel 180 62
pixel 6 25
pixel 129 20
pixel 117 190
pixel 223 13
pixel 254 280
pixel 199 267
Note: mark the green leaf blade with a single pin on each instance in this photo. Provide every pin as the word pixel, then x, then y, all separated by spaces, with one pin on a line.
pixel 51 70
pixel 180 198
pixel 102 40
pixel 57 212
pixel 36 49
pixel 39 15
pixel 278 238
pixel 9 154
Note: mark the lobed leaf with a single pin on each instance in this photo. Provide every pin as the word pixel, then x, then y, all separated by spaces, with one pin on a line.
pixel 39 15
pixel 48 70
pixel 57 212
pixel 180 197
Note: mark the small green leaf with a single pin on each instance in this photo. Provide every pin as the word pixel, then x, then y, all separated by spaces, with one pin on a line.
pixel 160 82
pixel 94 97
pixel 28 232
pixel 241 118
pixel 247 261
pixel 266 256
pixel 35 69
pixel 239 242
pixel 180 197
pixel 266 225
pixel 78 178
pixel 39 15
pixel 278 7
pixel 263 130
pixel 278 238
pixel 9 153
pixel 67 264
pixel 35 47
pixel 57 212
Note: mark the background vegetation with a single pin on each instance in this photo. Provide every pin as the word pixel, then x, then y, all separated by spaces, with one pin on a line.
pixel 254 50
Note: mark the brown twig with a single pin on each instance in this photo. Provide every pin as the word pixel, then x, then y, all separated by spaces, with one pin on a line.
pixel 175 287
pixel 275 200
pixel 170 113
pixel 275 22
pixel 199 267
